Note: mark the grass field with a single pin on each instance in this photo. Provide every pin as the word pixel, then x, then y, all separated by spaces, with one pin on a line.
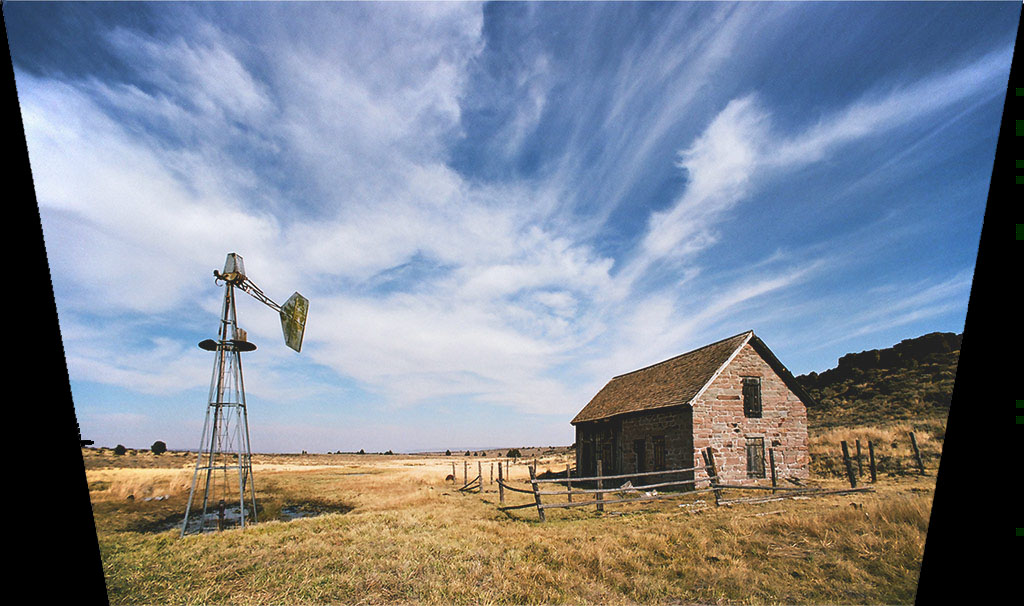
pixel 391 530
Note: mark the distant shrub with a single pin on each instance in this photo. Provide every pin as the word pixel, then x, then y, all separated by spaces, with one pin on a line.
pixel 513 453
pixel 361 451
pixel 158 447
pixel 389 453
pixel 120 449
pixel 467 453
pixel 447 453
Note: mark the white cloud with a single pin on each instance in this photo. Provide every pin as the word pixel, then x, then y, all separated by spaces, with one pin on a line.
pixel 200 73
pixel 877 113
pixel 740 148
pixel 162 366
pixel 133 226
pixel 719 165
pixel 343 177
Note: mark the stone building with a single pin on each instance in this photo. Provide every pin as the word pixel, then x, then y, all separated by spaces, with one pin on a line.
pixel 733 395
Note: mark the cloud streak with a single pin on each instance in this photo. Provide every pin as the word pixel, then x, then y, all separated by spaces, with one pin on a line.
pixel 329 157
pixel 739 148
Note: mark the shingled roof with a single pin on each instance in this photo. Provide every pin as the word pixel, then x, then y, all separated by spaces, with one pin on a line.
pixel 678 380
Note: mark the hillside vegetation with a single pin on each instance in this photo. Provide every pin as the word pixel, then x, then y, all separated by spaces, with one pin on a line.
pixel 911 381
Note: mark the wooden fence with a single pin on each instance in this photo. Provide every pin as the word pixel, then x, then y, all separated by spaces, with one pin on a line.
pixel 477 483
pixel 706 476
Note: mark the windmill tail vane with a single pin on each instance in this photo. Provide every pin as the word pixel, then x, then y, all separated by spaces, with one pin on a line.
pixel 293 312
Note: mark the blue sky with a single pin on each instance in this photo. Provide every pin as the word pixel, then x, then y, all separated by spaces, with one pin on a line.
pixel 493 208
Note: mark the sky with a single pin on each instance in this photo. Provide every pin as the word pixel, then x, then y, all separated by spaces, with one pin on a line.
pixel 493 208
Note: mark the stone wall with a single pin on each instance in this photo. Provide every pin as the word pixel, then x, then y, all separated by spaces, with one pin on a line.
pixel 619 435
pixel 673 426
pixel 719 421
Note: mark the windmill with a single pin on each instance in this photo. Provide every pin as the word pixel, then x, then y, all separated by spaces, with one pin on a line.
pixel 224 462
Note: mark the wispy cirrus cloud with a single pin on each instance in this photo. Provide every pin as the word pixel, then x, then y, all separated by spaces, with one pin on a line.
pixel 740 149
pixel 878 112
pixel 591 223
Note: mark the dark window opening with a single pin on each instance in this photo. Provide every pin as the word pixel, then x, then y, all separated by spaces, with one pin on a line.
pixel 755 457
pixel 640 455
pixel 588 459
pixel 659 452
pixel 752 397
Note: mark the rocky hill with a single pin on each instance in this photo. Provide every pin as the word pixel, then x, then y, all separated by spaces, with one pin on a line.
pixel 909 381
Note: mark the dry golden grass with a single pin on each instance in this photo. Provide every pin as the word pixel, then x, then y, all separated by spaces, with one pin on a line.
pixel 893 451
pixel 399 534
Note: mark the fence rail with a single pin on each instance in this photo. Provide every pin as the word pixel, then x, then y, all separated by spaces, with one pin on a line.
pixel 706 473
pixel 617 477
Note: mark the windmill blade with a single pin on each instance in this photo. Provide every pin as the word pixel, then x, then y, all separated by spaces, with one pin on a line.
pixel 293 320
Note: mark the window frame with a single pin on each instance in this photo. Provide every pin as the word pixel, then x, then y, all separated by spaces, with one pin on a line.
pixel 752 409
pixel 758 443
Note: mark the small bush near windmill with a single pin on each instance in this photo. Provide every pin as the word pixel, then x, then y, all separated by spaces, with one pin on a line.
pixel 158 447
pixel 120 449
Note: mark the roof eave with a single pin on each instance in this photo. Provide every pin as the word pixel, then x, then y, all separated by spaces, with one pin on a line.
pixel 783 372
pixel 634 412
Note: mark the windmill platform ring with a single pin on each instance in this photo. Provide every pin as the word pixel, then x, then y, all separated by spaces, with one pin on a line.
pixel 229 345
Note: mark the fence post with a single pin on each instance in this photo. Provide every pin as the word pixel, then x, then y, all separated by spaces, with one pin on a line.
pixel 501 486
pixel 465 473
pixel 860 466
pixel 871 459
pixel 849 465
pixel 492 472
pixel 536 493
pixel 917 453
pixel 480 475
pixel 714 470
pixel 771 459
pixel 599 496
pixel 569 484
pixel 709 468
pixel 453 470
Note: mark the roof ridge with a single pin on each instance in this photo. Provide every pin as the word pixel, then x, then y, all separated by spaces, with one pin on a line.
pixel 751 332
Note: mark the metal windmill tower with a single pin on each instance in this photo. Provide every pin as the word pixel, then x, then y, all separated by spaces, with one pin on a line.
pixel 224 462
